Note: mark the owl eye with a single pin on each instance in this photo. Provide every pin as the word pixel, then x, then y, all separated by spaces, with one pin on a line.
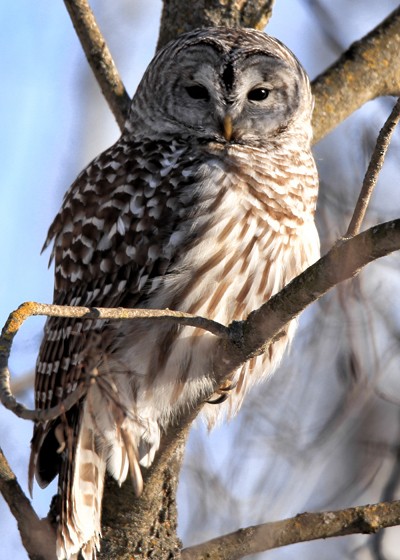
pixel 258 94
pixel 198 92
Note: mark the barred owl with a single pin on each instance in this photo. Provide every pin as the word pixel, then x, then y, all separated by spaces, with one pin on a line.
pixel 205 204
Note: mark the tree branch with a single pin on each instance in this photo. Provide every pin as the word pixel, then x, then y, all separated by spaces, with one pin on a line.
pixel 370 68
pixel 37 535
pixel 303 527
pixel 344 261
pixel 179 17
pixel 29 309
pixel 253 336
pixel 100 59
pixel 242 339
pixel 374 168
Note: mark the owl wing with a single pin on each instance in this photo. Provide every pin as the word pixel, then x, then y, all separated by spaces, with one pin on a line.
pixel 113 238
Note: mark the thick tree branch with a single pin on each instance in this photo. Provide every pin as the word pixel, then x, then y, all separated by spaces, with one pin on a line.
pixel 36 534
pixel 342 262
pixel 241 340
pixel 370 68
pixel 100 59
pixel 303 527
pixel 179 17
pixel 253 336
pixel 374 168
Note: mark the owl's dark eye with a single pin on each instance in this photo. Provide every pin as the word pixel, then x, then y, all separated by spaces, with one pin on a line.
pixel 198 92
pixel 258 94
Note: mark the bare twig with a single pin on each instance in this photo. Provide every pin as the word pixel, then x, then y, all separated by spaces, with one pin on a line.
pixel 303 527
pixel 100 59
pixel 29 309
pixel 374 168
pixel 36 534
pixel 370 68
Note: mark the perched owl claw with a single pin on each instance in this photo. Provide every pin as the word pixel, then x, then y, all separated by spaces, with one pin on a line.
pixel 223 392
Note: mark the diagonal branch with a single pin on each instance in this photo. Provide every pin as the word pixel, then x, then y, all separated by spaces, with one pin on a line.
pixel 303 527
pixel 374 168
pixel 344 261
pixel 99 58
pixel 36 534
pixel 369 69
pixel 253 336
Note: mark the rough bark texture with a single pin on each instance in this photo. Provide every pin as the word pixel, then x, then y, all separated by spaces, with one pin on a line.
pixel 304 527
pixel 146 527
pixel 179 17
pixel 370 68
pixel 36 534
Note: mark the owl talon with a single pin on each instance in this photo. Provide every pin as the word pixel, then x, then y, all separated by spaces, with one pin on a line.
pixel 223 391
pixel 219 400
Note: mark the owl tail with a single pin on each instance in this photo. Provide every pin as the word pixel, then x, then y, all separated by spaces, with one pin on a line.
pixel 81 485
pixel 104 440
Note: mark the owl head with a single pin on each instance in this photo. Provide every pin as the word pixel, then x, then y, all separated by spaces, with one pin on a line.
pixel 236 86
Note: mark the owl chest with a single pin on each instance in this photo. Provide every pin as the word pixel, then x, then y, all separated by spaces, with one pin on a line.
pixel 239 253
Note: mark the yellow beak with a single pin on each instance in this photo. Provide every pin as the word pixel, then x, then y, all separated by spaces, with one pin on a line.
pixel 227 127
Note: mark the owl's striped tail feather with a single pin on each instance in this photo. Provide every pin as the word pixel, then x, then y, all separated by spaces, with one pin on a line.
pixel 81 484
pixel 95 442
pixel 105 441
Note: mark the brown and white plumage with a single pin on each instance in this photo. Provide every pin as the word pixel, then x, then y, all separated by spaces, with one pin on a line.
pixel 205 204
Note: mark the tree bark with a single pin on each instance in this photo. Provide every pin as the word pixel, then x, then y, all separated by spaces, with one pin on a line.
pixel 145 527
pixel 370 68
pixel 179 17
